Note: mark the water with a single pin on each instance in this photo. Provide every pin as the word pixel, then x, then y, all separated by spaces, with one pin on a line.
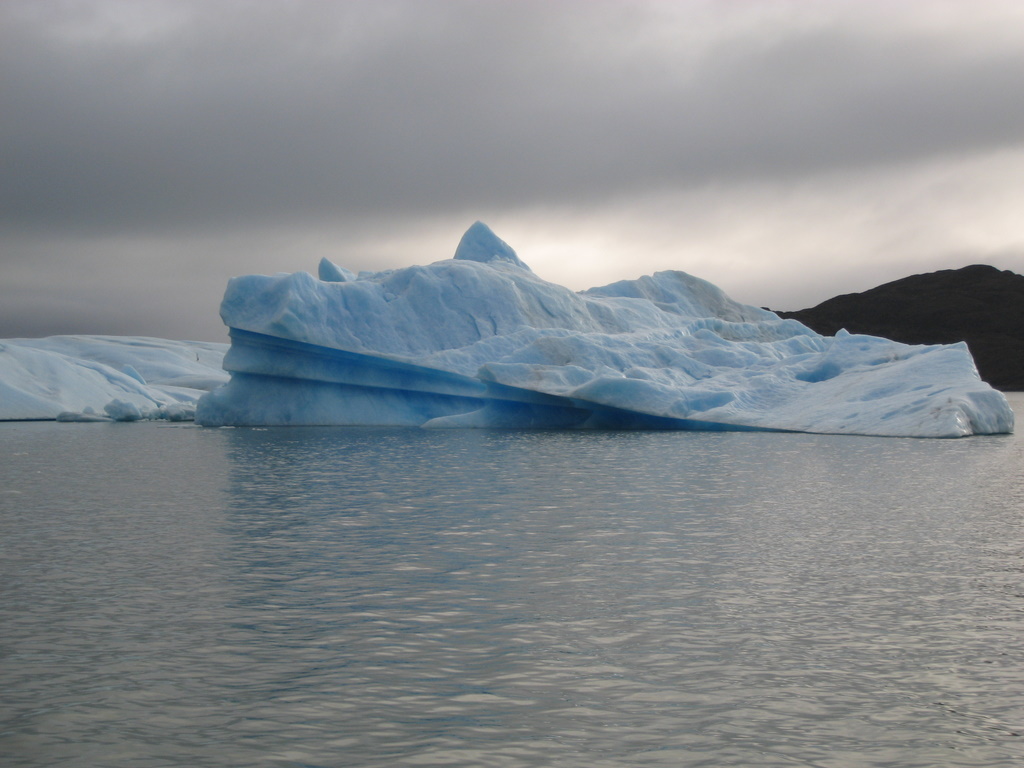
pixel 178 596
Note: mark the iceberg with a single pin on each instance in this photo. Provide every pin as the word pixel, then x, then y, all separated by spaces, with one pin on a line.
pixel 479 340
pixel 106 378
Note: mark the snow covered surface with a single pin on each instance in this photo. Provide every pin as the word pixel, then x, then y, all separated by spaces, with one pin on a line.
pixel 480 341
pixel 106 378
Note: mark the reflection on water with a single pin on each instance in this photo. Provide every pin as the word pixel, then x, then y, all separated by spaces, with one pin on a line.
pixel 174 596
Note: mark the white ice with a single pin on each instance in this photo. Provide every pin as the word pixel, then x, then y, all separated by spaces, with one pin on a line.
pixel 106 378
pixel 481 341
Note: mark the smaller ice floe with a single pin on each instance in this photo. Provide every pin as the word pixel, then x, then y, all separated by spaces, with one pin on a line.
pixel 87 415
pixel 106 378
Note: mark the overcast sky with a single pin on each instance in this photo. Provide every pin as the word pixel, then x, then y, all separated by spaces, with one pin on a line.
pixel 785 150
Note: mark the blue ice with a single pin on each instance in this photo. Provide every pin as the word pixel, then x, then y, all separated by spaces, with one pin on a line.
pixel 479 340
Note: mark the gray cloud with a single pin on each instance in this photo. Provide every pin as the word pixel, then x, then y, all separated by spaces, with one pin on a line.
pixel 214 132
pixel 241 112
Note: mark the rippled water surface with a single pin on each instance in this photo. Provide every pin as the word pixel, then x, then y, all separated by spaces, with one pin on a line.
pixel 178 596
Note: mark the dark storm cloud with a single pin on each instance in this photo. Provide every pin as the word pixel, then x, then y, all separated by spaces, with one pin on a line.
pixel 230 113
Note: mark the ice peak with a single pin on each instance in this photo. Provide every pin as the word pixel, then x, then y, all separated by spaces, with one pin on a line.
pixel 329 272
pixel 481 244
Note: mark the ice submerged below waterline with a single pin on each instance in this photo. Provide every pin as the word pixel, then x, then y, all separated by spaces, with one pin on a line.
pixel 480 341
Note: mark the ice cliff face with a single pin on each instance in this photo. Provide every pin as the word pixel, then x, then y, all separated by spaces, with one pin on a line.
pixel 480 341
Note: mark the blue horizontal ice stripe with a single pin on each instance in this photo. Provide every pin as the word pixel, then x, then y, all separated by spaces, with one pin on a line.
pixel 524 408
pixel 497 391
pixel 609 417
pixel 255 400
pixel 293 382
pixel 258 353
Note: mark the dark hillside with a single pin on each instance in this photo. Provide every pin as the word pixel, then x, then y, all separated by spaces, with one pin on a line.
pixel 981 305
